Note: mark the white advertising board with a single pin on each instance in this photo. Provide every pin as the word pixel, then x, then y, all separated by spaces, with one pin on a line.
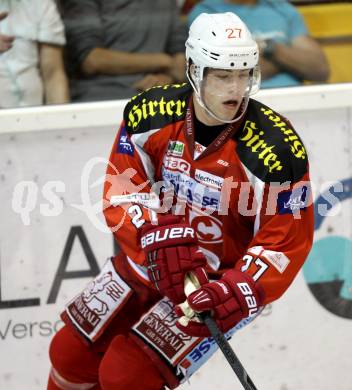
pixel 52 241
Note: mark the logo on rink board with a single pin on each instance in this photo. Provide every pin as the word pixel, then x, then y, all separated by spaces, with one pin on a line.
pixel 328 268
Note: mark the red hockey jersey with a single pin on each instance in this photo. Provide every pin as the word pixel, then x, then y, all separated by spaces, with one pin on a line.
pixel 247 194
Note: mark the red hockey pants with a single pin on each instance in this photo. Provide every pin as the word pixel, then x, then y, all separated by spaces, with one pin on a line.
pixel 124 366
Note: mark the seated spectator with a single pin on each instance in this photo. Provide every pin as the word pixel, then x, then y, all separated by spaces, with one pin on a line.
pixel 289 55
pixel 31 61
pixel 116 48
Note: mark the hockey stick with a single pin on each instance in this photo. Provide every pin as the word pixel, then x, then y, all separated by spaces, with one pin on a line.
pixel 228 352
pixel 191 284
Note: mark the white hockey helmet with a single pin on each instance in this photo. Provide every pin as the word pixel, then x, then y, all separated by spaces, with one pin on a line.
pixel 221 41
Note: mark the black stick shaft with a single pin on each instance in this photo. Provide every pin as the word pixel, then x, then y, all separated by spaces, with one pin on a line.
pixel 228 352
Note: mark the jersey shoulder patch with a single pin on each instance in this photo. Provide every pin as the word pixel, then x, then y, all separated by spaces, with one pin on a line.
pixel 156 107
pixel 269 147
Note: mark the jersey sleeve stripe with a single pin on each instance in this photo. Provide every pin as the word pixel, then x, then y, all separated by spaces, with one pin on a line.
pixel 139 140
pixel 258 188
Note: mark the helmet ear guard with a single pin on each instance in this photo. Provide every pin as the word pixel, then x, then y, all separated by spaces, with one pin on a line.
pixel 194 75
pixel 194 70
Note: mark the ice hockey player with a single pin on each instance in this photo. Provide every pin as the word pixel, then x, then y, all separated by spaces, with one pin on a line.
pixel 202 179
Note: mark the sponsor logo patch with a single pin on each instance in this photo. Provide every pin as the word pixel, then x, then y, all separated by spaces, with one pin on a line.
pixel 209 229
pixel 124 145
pixel 146 199
pixel 177 164
pixel 91 310
pixel 195 193
pixel 204 350
pixel 277 259
pixel 175 148
pixel 208 179
pixel 254 141
pixel 184 354
pixel 289 202
pixel 198 149
pixel 167 234
pixel 155 108
pixel 291 137
pixel 158 328
pixel 223 163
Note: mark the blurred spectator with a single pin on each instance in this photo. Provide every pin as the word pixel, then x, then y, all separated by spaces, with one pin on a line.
pixel 31 61
pixel 5 40
pixel 116 48
pixel 289 55
pixel 187 5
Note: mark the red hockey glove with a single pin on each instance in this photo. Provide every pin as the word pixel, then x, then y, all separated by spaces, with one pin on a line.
pixel 171 252
pixel 232 298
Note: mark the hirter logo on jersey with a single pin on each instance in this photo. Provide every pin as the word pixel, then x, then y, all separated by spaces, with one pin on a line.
pixel 124 145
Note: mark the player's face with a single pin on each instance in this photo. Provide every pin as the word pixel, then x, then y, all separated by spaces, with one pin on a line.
pixel 222 91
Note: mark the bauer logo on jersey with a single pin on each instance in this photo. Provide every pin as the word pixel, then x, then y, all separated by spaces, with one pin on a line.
pixel 124 145
pixel 289 202
pixel 175 148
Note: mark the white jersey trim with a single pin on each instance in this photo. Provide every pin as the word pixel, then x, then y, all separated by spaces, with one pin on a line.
pixel 258 188
pixel 139 140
